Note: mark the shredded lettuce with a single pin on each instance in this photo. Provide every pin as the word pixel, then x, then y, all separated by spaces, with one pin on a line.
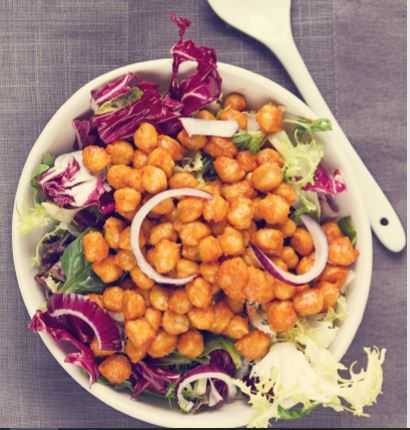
pixel 301 160
pixel 307 204
pixel 34 218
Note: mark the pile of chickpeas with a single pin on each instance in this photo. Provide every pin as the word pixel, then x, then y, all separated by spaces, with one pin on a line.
pixel 209 239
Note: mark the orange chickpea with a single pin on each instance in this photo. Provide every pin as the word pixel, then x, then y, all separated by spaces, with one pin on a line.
pixel 179 302
pixel 289 256
pixel 217 228
pixel 273 209
pixel 308 302
pixel 172 146
pixel 97 351
pixel 161 158
pixel 220 147
pixel 330 293
pixel 191 253
pixel 135 180
pixel 192 143
pixel 247 161
pixel 335 274
pixel 208 271
pixel 163 208
pixel 139 332
pixel 191 344
pixel 281 316
pixel 269 240
pixel 205 114
pixel 228 170
pixel 154 318
pixel 112 229
pixel 202 319
pixel 126 199
pixel 159 297
pixel 146 137
pixel 254 345
pixel 154 180
pixel 267 177
pixel 332 231
pixel 183 180
pixel 115 368
pixel 302 242
pixel 126 260
pixel 240 213
pixel 107 270
pixel 342 252
pixel 139 159
pixel 140 279
pixel 211 187
pixel 231 242
pixel 236 306
pixel 270 118
pixel 287 192
pixel 240 189
pixel 186 268
pixel 283 290
pixel 222 317
pixel 118 175
pixel 163 344
pixel 95 247
pixel 209 249
pixel 166 255
pixel 161 231
pixel 234 114
pixel 190 209
pixel 237 327
pixel 193 232
pixel 269 155
pixel 95 158
pixel 215 209
pixel 232 277
pixel 199 293
pixel 124 240
pixel 259 288
pixel 305 264
pixel 134 354
pixel 235 101
pixel 121 152
pixel 133 305
pixel 174 323
pixel 112 299
pixel 288 228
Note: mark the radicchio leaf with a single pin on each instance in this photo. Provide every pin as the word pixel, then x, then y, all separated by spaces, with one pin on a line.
pixel 326 183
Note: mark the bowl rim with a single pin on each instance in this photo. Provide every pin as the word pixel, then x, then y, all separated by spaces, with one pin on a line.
pixel 366 256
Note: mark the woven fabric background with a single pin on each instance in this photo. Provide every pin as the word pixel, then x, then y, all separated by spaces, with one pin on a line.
pixel 355 50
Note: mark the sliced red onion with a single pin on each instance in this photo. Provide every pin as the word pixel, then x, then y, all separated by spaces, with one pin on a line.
pixel 321 254
pixel 258 319
pixel 209 127
pixel 215 397
pixel 136 227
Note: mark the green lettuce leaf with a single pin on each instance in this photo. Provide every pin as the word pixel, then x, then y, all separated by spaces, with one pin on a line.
pixel 249 140
pixel 348 229
pixel 307 204
pixel 34 218
pixel 199 164
pixel 120 102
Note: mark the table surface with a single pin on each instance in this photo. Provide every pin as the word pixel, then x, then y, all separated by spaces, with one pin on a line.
pixel 355 50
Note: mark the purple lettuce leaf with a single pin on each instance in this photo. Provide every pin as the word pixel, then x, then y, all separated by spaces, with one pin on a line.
pixel 326 183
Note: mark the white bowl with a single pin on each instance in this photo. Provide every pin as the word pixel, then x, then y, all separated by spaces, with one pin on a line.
pixel 58 137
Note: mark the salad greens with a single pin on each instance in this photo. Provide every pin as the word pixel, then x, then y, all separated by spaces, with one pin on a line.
pixel 124 100
pixel 307 204
pixel 249 140
pixel 200 164
pixel 34 218
pixel 347 227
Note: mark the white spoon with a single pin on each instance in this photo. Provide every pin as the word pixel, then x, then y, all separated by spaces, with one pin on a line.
pixel 269 22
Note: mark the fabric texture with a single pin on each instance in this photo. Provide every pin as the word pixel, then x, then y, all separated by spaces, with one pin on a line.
pixel 355 50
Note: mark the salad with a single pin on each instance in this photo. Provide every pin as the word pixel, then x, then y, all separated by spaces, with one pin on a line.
pixel 193 249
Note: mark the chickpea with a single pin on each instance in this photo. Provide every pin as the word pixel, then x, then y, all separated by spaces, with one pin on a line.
pixel 228 170
pixel 179 302
pixel 133 305
pixel 128 215
pixel 342 252
pixel 217 228
pixel 154 317
pixel 232 277
pixel 96 298
pixel 172 146
pixel 236 306
pixel 334 274
pixel 146 137
pixel 145 294
pixel 190 209
pixel 250 258
pixel 154 180
pixel 287 192
pixel 240 213
pixel 234 114
pixel 159 298
pixel 235 101
pixel 302 242
pixel 166 256
pixel 163 344
pixel 267 177
pixel 305 264
pixel 270 118
pixel 126 260
pixel 273 209
pixel 140 279
pixel 199 293
pixel 208 271
pixel 139 332
pixel 231 242
pixel 107 270
pixel 240 189
pixel 192 143
pixel 280 263
pixel 162 231
pixel 332 231
pixel 115 368
pixel 288 228
pixel 237 328
pixel 161 158
pixel 135 355
pixel 121 152
pixel 135 180
pixel 193 232
pixel 95 247
pixel 283 290
pixel 205 114
pixel 209 249
pixel 289 256
pixel 174 323
pixel 139 159
pixel 221 147
pixel 191 344
pixel 222 317
pixel 164 208
pixel 124 240
pixel 259 288
pixel 126 199
pixel 330 293
pixel 281 316
pixel 183 180
pixel 254 345
pixel 308 302
pixel 112 229
pixel 113 298
pixel 95 158
pixel 191 253
pixel 97 351
pixel 215 209
pixel 186 268
pixel 269 155
pixel 202 319
pixel 247 161
pixel 117 176
pixel 269 240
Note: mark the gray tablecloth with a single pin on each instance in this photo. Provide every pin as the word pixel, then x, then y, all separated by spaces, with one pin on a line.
pixel 355 50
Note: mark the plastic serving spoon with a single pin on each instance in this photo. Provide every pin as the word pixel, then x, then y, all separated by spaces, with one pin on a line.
pixel 269 22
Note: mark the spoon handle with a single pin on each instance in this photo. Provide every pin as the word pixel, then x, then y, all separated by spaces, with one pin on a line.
pixel 383 219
